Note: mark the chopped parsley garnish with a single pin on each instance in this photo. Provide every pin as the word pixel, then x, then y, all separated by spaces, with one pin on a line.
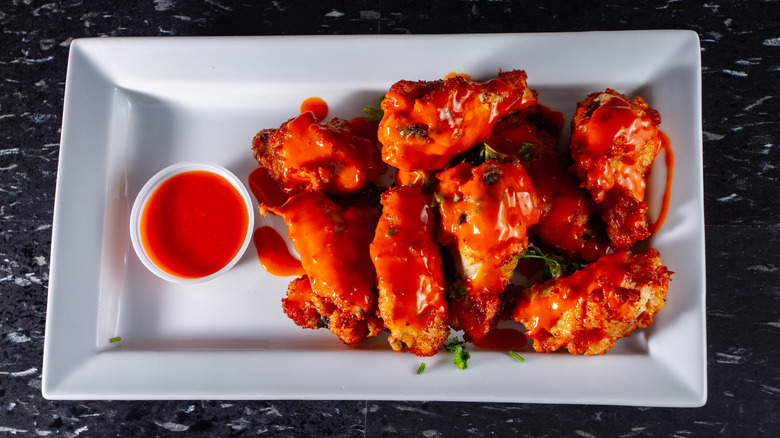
pixel 115 340
pixel 436 199
pixel 458 347
pixel 552 268
pixel 390 232
pixel 490 154
pixel 421 368
pixel 374 115
pixel 525 151
pixel 516 356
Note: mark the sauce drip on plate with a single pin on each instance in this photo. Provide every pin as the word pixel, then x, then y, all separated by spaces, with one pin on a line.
pixel 666 145
pixel 273 254
pixel 317 106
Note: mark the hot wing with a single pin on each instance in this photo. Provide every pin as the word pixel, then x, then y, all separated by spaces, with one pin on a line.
pixel 569 222
pixel 340 281
pixel 426 124
pixel 409 273
pixel 305 154
pixel 485 213
pixel 588 311
pixel 614 142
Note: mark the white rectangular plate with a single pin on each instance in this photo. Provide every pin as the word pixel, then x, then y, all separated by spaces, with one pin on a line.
pixel 136 105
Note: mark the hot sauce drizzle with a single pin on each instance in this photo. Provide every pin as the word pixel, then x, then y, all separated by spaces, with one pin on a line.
pixel 544 312
pixel 666 144
pixel 267 191
pixel 316 106
pixel 194 224
pixel 273 254
pixel 406 256
pixel 614 129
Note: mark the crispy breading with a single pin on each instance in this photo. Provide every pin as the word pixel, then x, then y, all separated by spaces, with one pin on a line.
pixel 409 272
pixel 613 145
pixel 305 154
pixel 333 243
pixel 588 311
pixel 426 124
pixel 486 211
pixel 311 311
pixel 569 222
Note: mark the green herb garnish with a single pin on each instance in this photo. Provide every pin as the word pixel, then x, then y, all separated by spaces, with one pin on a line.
pixel 525 152
pixel 436 199
pixel 490 154
pixel 373 115
pixel 390 232
pixel 461 357
pixel 552 268
pixel 421 368
pixel 115 340
pixel 516 356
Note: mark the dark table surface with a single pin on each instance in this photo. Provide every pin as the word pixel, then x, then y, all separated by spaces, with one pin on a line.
pixel 740 43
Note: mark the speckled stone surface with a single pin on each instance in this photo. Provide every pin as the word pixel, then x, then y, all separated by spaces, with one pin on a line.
pixel 740 69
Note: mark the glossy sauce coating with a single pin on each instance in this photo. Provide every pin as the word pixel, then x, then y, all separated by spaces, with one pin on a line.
pixel 305 154
pixel 615 144
pixel 588 311
pixel 273 254
pixel 317 106
pixel 333 244
pixel 193 224
pixel 406 257
pixel 486 211
pixel 409 272
pixel 426 124
pixel 545 312
pixel 266 189
pixel 569 220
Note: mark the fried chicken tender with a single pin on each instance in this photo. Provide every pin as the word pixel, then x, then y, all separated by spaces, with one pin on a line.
pixel 588 311
pixel 613 145
pixel 426 124
pixel 485 213
pixel 333 243
pixel 569 222
pixel 409 272
pixel 305 154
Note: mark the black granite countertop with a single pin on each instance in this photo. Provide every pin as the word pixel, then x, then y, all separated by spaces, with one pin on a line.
pixel 740 42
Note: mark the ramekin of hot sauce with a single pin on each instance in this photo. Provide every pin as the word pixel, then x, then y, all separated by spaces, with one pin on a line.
pixel 191 222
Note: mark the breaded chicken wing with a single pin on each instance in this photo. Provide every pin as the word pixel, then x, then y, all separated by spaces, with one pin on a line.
pixel 569 222
pixel 305 154
pixel 333 243
pixel 485 213
pixel 613 145
pixel 311 311
pixel 588 311
pixel 409 272
pixel 426 124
